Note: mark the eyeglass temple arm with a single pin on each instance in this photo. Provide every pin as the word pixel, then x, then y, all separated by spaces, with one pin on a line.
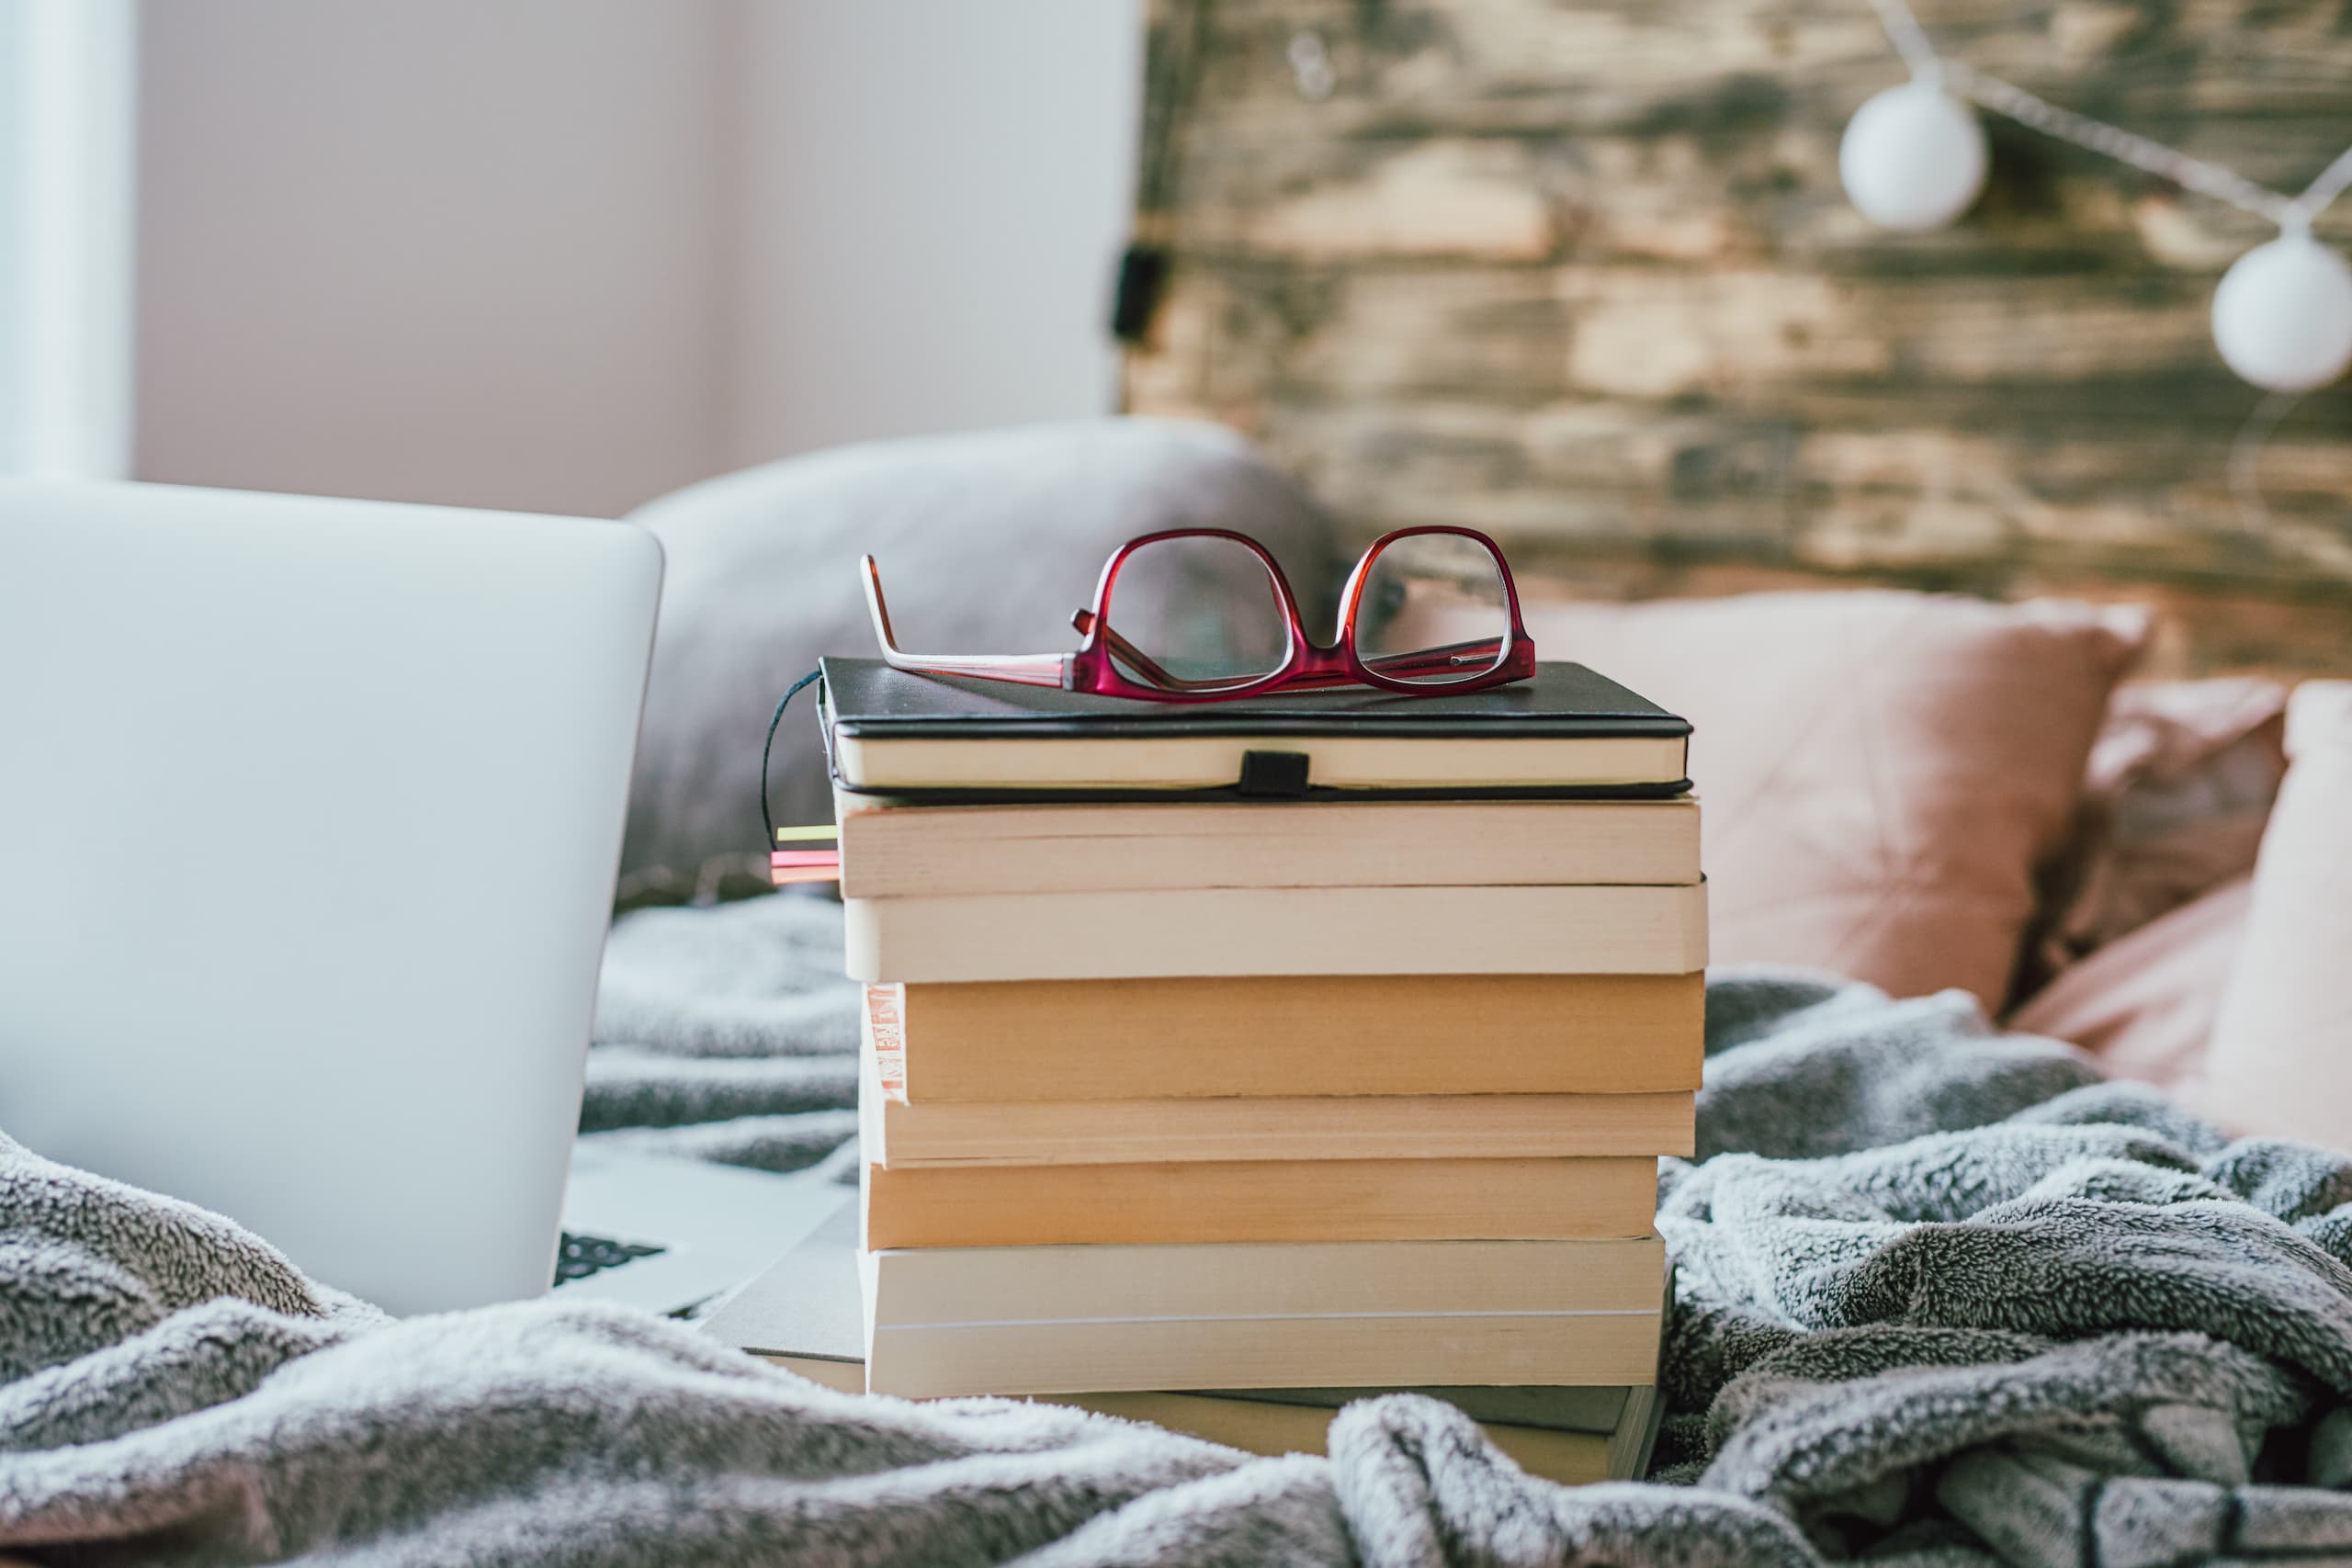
pixel 1025 669
pixel 1478 651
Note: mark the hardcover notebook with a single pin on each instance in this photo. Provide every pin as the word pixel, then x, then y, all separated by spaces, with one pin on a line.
pixel 1567 732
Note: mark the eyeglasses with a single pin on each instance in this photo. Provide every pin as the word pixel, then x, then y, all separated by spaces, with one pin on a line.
pixel 1204 614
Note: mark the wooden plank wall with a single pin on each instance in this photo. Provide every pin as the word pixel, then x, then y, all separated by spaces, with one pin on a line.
pixel 1579 273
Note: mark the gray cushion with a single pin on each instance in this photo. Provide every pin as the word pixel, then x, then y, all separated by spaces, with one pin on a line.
pixel 986 543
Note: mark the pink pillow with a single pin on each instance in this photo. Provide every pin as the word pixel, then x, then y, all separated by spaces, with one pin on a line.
pixel 1881 773
pixel 2281 1059
pixel 2179 785
pixel 2145 1002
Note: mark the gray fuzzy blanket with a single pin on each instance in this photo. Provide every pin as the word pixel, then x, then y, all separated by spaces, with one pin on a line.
pixel 1945 1298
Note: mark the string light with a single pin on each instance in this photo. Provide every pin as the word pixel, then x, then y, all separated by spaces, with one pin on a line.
pixel 1913 158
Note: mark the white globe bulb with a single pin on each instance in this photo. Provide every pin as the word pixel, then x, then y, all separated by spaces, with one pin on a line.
pixel 1913 158
pixel 2282 317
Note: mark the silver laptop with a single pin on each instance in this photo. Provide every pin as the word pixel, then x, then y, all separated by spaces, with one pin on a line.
pixel 313 809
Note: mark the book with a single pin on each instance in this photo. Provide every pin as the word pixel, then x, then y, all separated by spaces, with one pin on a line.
pixel 898 1134
pixel 944 1321
pixel 1286 930
pixel 1566 731
pixel 803 1314
pixel 890 849
pixel 954 1134
pixel 1294 1036
pixel 1252 1201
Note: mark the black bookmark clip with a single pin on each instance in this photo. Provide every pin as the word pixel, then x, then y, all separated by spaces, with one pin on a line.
pixel 1273 776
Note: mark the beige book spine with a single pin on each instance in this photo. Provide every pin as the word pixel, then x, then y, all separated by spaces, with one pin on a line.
pixel 1281 1036
pixel 1261 1200
pixel 1296 930
pixel 1327 1127
pixel 1579 1346
pixel 889 851
pixel 1333 1278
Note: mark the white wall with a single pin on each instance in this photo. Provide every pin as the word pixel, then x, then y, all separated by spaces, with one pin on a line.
pixel 566 255
pixel 437 250
pixel 68 81
pixel 934 194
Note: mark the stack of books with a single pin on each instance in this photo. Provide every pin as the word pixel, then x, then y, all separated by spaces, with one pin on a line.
pixel 1228 1062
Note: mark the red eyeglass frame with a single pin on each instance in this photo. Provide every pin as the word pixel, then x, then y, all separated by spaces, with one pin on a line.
pixel 1307 664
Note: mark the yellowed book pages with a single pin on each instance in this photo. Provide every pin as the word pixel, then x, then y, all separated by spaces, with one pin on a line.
pixel 893 849
pixel 956 1133
pixel 1285 1036
pixel 1284 931
pixel 1327 1127
pixel 1243 1201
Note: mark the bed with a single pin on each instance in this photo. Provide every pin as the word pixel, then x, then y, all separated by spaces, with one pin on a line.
pixel 1946 1293
pixel 2021 1230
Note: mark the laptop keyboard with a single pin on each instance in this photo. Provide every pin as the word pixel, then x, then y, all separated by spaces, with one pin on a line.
pixel 580 1256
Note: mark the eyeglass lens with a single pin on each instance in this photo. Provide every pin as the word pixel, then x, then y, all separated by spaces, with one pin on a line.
pixel 1433 610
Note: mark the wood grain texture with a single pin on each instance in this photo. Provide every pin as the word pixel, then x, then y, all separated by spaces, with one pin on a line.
pixel 1582 275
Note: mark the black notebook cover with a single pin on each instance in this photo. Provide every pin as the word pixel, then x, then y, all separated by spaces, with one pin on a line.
pixel 867 700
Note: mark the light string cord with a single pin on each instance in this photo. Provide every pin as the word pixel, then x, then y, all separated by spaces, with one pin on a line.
pixel 2246 457
pixel 2292 214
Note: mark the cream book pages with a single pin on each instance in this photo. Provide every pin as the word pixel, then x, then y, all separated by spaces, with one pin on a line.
pixel 1248 1201
pixel 1050 1356
pixel 1260 1280
pixel 1215 761
pixel 891 850
pixel 1329 1127
pixel 1295 931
